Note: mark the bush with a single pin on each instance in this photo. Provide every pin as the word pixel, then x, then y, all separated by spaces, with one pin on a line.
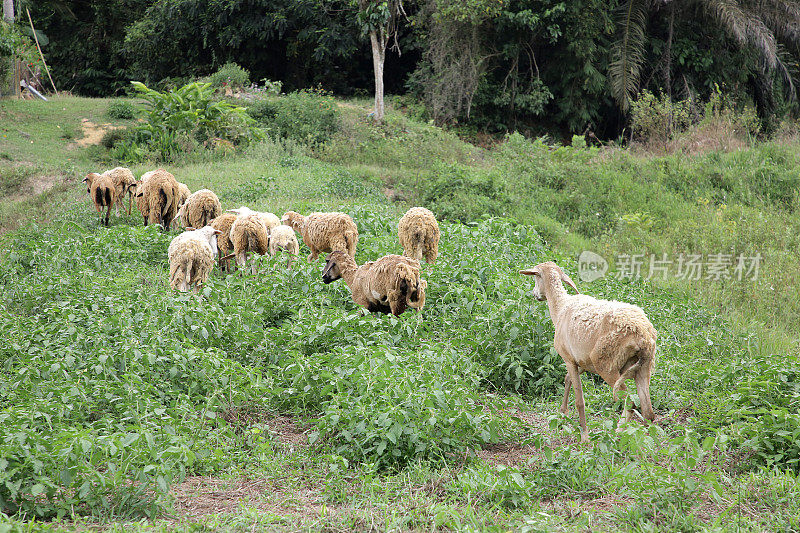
pixel 181 120
pixel 230 75
pixel 459 193
pixel 113 137
pixel 303 116
pixel 121 109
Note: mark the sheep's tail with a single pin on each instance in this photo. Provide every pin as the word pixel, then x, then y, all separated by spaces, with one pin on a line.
pixel 645 355
pixel 207 216
pixel 176 274
pixel 102 196
pixel 258 242
pixel 418 242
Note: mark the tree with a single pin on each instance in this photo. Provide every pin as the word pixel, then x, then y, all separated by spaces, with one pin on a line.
pixel 761 27
pixel 8 10
pixel 379 19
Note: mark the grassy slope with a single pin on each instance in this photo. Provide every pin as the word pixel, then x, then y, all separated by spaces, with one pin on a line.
pixel 103 350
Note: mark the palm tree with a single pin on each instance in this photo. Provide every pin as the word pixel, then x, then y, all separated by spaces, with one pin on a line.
pixel 765 26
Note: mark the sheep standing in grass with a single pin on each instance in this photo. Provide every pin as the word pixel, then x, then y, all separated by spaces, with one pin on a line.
pixel 324 232
pixel 102 192
pixel 419 234
pixel 389 285
pixel 199 209
pixel 612 339
pixel 183 194
pixel 250 233
pixel 223 223
pixel 159 191
pixel 138 196
pixel 124 183
pixel 191 258
pixel 283 238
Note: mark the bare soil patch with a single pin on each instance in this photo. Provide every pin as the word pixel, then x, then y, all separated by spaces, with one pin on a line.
pixel 93 133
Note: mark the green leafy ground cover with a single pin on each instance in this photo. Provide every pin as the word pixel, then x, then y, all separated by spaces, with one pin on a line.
pixel 124 405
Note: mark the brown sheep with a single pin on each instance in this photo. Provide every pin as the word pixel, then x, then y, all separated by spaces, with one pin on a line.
pixel 124 183
pixel 159 191
pixel 419 234
pixel 102 192
pixel 324 232
pixel 199 209
pixel 223 223
pixel 389 285
pixel 249 234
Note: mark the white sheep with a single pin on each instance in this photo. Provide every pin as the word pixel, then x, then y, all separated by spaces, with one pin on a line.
pixel 191 258
pixel 324 232
pixel 250 233
pixel 612 339
pixel 389 285
pixel 199 209
pixel 283 238
pixel 418 233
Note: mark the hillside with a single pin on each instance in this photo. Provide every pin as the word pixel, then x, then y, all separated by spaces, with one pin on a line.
pixel 270 403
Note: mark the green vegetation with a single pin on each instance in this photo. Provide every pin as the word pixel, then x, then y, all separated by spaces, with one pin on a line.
pixel 230 75
pixel 121 109
pixel 303 116
pixel 115 389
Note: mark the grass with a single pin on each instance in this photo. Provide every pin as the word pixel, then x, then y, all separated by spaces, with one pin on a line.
pixel 270 403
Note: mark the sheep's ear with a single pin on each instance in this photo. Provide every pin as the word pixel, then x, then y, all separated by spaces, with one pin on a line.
pixel 190 229
pixel 566 279
pixel 328 265
pixel 217 232
pixel 234 211
pixel 531 271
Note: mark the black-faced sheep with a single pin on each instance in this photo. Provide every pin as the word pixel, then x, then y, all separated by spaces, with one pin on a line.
pixel 612 339
pixel 191 258
pixel 419 234
pixel 102 192
pixel 389 285
pixel 324 232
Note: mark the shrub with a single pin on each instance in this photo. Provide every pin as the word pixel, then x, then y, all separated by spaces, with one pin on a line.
pixel 113 137
pixel 121 109
pixel 305 116
pixel 179 120
pixel 230 75
pixel 657 119
pixel 459 193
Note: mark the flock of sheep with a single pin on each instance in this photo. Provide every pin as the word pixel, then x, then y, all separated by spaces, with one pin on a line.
pixel 612 339
pixel 390 284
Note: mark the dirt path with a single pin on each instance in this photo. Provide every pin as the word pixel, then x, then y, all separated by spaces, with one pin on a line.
pixel 93 133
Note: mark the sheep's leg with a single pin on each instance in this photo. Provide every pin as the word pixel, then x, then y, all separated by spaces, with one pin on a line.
pixel 108 213
pixel 642 379
pixel 575 376
pixel 313 255
pixel 567 384
pixel 130 204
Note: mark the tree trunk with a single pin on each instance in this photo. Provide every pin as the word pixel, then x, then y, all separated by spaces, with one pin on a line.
pixel 378 58
pixel 8 10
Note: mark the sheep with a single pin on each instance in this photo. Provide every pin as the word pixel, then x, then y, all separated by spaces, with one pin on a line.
pixel 140 199
pixel 223 223
pixel 183 194
pixel 199 209
pixel 324 232
pixel 191 257
pixel 612 339
pixel 418 233
pixel 159 191
pixel 250 233
pixel 389 285
pixel 283 238
pixel 124 183
pixel 102 192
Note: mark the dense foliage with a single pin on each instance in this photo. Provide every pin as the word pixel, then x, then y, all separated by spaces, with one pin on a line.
pixel 530 65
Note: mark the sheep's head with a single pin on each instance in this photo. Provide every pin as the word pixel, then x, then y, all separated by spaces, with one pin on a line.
pixel 333 270
pixel 89 179
pixel 547 273
pixel 208 233
pixel 293 219
pixel 416 299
